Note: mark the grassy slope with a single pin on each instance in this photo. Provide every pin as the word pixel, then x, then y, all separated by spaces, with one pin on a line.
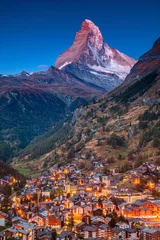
pixel 97 122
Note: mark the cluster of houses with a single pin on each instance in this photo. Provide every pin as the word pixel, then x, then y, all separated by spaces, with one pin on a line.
pixel 82 204
pixel 147 171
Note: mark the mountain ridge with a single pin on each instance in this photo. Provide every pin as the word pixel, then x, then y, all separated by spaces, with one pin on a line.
pixel 145 73
pixel 55 93
pixel 119 125
pixel 50 95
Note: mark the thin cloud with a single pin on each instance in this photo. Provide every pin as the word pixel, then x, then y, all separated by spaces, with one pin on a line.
pixel 42 66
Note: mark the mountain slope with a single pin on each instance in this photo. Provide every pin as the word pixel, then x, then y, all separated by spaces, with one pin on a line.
pixel 30 104
pixel 143 79
pixel 148 62
pixel 94 61
pixel 122 125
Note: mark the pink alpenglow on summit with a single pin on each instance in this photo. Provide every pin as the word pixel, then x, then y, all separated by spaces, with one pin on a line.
pixel 92 60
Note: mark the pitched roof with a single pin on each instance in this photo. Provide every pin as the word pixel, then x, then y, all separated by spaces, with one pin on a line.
pixel 91 228
pixel 43 233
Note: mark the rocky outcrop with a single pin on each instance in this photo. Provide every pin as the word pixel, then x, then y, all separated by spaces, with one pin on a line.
pixel 147 63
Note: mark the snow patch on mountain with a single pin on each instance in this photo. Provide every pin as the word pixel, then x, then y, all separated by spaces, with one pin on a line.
pixel 110 70
pixel 65 64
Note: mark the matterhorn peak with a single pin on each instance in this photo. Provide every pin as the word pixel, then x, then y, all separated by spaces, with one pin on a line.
pixel 88 21
pixel 88 37
pixel 89 54
pixel 88 24
pixel 95 38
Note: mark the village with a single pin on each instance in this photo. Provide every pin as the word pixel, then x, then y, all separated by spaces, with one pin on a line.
pixel 79 120
pixel 70 203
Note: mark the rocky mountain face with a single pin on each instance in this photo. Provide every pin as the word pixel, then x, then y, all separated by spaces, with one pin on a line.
pixel 143 81
pixel 147 63
pixel 120 126
pixel 92 60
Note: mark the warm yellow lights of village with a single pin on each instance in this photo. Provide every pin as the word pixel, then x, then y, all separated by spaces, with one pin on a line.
pixel 151 185
pixel 137 181
pixel 66 171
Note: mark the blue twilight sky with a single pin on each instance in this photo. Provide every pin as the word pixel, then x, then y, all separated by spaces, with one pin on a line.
pixel 34 32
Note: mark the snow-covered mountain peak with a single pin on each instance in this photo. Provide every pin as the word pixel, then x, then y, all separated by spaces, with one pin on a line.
pixel 89 49
pixel 89 52
pixel 87 38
